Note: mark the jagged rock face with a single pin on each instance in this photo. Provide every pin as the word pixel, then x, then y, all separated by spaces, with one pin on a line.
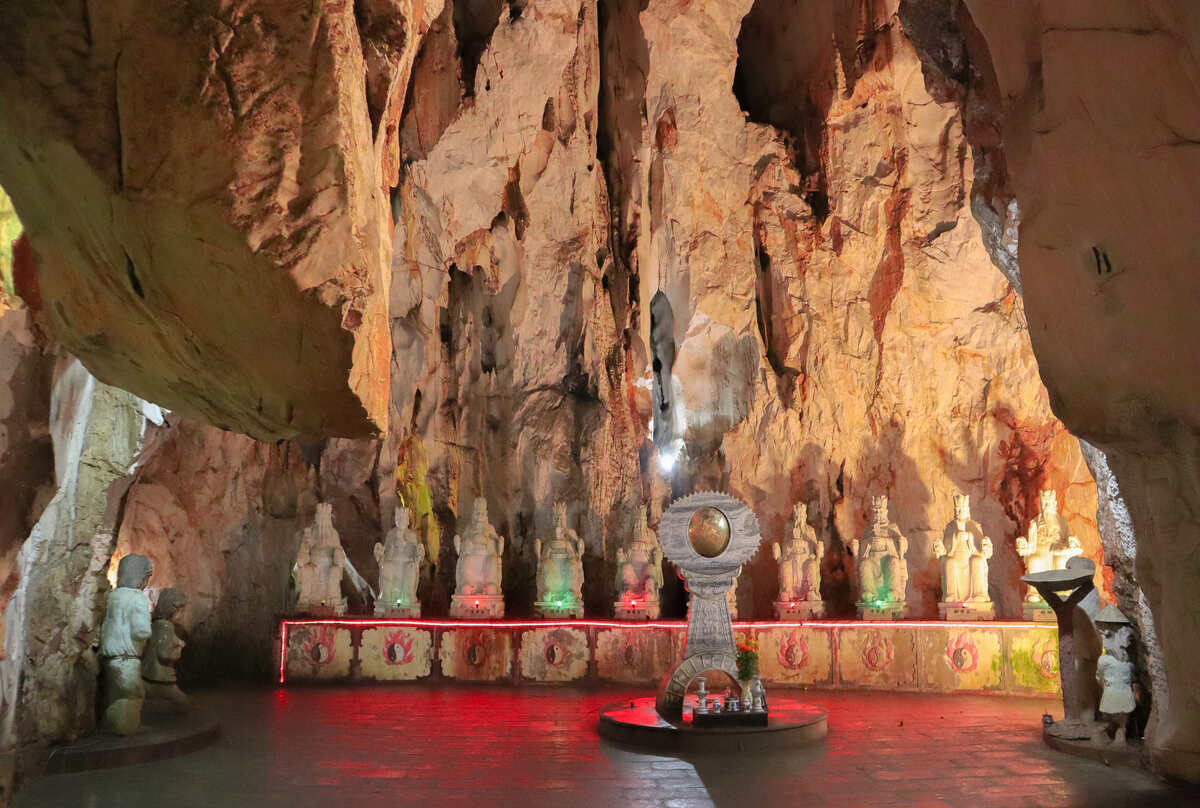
pixel 229 261
pixel 1096 120
pixel 825 316
pixel 26 452
pixel 49 671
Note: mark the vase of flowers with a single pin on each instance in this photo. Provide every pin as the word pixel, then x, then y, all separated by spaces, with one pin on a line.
pixel 747 669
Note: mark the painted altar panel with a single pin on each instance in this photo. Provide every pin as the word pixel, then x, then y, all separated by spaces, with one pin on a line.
pixel 636 655
pixel 395 653
pixel 476 654
pixel 1033 660
pixel 957 658
pixel 796 655
pixel 554 654
pixel 318 652
pixel 877 656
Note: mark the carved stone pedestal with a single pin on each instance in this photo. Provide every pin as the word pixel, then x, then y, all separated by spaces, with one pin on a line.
pixel 636 610
pixel 402 611
pixel 799 609
pixel 884 611
pixel 476 607
pixel 558 609
pixel 1038 613
pixel 322 609
pixel 971 610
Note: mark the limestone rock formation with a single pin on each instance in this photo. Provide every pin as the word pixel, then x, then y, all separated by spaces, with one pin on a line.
pixel 216 239
pixel 49 671
pixel 778 239
pixel 1092 126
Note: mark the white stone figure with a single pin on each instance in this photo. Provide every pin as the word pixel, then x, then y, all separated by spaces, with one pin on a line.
pixel 964 551
pixel 123 637
pixel 639 574
pixel 882 568
pixel 799 560
pixel 478 570
pixel 319 565
pixel 399 557
pixel 560 570
pixel 1048 546
pixel 1115 674
pixel 163 652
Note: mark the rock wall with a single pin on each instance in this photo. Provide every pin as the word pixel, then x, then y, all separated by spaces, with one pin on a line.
pixel 49 672
pixel 1091 122
pixel 831 322
pixel 182 261
pixel 765 246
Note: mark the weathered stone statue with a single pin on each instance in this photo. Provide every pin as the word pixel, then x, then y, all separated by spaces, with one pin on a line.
pixel 882 569
pixel 1115 674
pixel 560 570
pixel 639 574
pixel 1048 546
pixel 399 558
pixel 799 560
pixel 162 652
pixel 478 571
pixel 964 551
pixel 317 572
pixel 123 637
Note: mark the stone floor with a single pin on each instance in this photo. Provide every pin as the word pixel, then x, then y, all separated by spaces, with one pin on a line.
pixel 485 747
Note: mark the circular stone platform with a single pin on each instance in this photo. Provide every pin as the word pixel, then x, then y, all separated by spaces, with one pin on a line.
pixel 636 723
pixel 161 736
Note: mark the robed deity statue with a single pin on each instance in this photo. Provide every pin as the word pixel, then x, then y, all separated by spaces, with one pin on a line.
pixel 1049 544
pixel 639 566
pixel 320 562
pixel 882 569
pixel 123 636
pixel 799 560
pixel 560 568
pixel 163 652
pixel 400 557
pixel 479 549
pixel 964 551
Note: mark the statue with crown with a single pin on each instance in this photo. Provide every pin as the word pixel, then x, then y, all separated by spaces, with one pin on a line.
pixel 799 558
pixel 964 551
pixel 560 570
pixel 1048 546
pixel 882 567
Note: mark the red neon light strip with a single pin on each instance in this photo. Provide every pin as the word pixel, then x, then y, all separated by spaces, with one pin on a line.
pixel 368 622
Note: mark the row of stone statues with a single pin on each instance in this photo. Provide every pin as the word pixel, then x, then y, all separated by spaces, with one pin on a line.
pixel 881 561
pixel 138 649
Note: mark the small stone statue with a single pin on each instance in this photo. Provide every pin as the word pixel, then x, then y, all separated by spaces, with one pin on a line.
pixel 560 570
pixel 639 574
pixel 123 637
pixel 478 571
pixel 1114 672
pixel 799 570
pixel 1048 547
pixel 964 566
pixel 882 569
pixel 162 652
pixel 319 565
pixel 399 558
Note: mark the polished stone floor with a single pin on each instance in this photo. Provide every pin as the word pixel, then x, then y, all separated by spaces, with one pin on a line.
pixel 484 747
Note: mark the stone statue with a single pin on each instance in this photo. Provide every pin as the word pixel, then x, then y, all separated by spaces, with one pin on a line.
pixel 162 652
pixel 639 574
pixel 882 569
pixel 319 564
pixel 1048 547
pixel 964 552
pixel 799 560
pixel 399 558
pixel 123 637
pixel 478 571
pixel 1114 673
pixel 560 570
